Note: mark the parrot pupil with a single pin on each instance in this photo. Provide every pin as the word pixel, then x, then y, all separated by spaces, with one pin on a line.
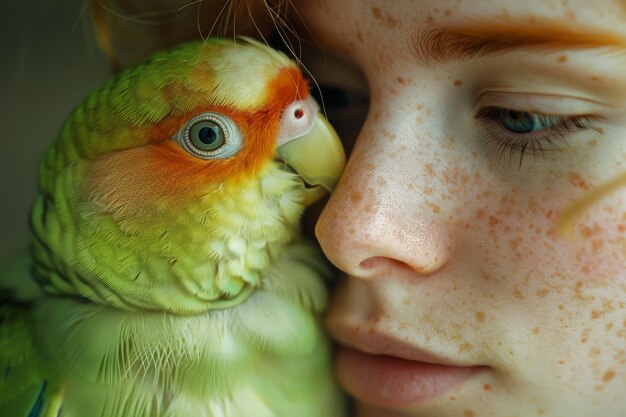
pixel 205 137
pixel 208 135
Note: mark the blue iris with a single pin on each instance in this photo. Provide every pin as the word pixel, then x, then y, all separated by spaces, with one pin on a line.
pixel 520 122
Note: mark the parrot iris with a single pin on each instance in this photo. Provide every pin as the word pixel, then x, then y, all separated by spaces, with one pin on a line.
pixel 167 275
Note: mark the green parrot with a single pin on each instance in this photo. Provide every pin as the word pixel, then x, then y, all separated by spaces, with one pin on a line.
pixel 168 275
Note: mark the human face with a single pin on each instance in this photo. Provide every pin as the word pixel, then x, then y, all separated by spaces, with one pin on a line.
pixel 487 119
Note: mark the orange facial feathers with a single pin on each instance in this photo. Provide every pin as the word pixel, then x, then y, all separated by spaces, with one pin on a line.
pixel 162 169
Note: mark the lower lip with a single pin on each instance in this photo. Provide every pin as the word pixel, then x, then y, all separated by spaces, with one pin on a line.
pixel 386 381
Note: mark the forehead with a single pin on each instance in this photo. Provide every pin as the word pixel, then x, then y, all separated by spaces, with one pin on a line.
pixel 363 29
pixel 247 64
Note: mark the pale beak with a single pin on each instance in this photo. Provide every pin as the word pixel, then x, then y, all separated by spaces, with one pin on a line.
pixel 317 156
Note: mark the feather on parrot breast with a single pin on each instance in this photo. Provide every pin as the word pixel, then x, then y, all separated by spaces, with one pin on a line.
pixel 168 275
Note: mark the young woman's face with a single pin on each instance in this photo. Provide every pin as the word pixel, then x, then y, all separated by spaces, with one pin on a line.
pixel 487 119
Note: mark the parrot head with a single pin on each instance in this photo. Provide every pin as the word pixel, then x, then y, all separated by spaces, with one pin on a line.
pixel 176 184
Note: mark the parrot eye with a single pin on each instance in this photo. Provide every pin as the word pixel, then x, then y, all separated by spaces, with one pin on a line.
pixel 209 136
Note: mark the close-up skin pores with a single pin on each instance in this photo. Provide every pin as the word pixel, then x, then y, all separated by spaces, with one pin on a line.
pixel 487 121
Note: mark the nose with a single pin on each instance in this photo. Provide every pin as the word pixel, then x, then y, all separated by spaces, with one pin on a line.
pixel 384 216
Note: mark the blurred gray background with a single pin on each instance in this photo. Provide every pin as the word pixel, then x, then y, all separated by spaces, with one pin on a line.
pixel 49 63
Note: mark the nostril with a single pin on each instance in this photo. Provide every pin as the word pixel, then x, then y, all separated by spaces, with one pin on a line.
pixel 382 264
pixel 298 113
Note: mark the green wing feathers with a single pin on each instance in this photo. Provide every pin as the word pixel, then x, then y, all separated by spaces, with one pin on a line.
pixel 21 383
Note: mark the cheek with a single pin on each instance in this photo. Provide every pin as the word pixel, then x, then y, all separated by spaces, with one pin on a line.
pixel 562 301
pixel 123 183
pixel 571 288
pixel 523 238
pixel 140 182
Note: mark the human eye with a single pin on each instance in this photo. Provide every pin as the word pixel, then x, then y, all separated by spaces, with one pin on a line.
pixel 520 133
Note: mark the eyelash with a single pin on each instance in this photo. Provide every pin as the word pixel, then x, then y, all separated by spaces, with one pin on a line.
pixel 532 142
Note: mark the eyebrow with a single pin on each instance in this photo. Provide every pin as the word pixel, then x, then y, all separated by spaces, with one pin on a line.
pixel 447 44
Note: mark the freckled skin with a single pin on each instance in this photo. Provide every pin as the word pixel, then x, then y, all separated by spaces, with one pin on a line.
pixel 452 247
